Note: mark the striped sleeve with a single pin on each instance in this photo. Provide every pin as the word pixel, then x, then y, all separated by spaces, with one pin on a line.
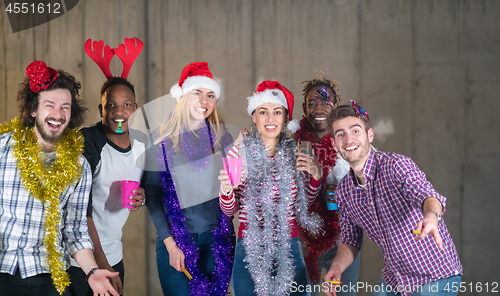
pixel 312 190
pixel 229 204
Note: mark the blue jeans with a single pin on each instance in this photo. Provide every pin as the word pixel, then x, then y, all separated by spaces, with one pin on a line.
pixel 349 276
pixel 174 282
pixel 442 287
pixel 243 284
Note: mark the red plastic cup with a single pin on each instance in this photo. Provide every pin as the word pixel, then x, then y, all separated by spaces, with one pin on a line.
pixel 233 168
pixel 127 187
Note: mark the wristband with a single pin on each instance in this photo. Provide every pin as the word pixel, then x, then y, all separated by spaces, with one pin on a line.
pixel 91 272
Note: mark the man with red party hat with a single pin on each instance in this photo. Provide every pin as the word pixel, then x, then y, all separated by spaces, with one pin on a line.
pixel 45 184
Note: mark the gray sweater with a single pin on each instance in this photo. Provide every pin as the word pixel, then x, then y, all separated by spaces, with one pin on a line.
pixel 196 188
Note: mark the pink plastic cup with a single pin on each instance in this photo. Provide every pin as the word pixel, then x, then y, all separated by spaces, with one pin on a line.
pixel 233 168
pixel 127 187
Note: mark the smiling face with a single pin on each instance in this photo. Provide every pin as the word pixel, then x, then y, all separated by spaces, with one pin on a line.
pixel 317 108
pixel 201 104
pixel 117 104
pixel 52 115
pixel 269 119
pixel 352 140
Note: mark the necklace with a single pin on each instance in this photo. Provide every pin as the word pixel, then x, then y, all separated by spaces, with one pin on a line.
pixel 47 183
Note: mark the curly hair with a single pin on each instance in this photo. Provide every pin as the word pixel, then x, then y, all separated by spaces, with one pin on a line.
pixel 322 81
pixel 28 99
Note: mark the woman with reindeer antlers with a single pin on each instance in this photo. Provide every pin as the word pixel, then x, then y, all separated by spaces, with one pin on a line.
pixel 111 153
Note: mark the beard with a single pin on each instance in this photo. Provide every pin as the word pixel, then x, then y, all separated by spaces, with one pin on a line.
pixel 50 136
pixel 363 150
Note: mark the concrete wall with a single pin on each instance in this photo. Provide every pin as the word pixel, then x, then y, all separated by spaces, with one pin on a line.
pixel 430 70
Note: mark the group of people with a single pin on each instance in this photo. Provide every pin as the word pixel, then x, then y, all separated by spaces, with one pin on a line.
pixel 61 216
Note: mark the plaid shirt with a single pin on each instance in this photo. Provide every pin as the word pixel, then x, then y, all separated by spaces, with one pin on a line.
pixel 22 218
pixel 388 210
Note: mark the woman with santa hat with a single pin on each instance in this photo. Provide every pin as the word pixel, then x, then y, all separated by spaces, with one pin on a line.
pixel 194 238
pixel 271 198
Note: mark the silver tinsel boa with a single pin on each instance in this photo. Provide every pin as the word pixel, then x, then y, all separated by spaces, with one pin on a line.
pixel 268 232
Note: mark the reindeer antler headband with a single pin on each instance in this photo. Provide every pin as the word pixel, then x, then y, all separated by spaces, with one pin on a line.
pixel 127 53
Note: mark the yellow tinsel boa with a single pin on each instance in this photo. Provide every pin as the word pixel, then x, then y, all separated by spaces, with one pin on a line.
pixel 47 184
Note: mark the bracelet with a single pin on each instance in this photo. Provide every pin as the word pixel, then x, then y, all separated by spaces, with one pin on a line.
pixel 228 194
pixel 439 217
pixel 230 200
pixel 91 272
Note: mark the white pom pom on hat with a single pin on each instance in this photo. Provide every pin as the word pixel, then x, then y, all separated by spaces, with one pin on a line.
pixel 193 76
pixel 176 91
pixel 293 125
pixel 273 92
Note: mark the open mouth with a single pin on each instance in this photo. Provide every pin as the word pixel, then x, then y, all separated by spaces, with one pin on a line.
pixel 119 122
pixel 352 148
pixel 54 124
pixel 201 110
pixel 320 118
pixel 270 128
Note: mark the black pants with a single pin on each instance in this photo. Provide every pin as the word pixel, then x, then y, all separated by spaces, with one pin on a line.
pixel 40 284
pixel 79 285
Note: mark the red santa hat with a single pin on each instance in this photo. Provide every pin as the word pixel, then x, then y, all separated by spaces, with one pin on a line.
pixel 193 76
pixel 274 92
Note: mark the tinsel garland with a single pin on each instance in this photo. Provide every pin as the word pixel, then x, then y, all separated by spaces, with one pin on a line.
pixel 323 150
pixel 47 183
pixel 199 144
pixel 218 282
pixel 317 245
pixel 268 232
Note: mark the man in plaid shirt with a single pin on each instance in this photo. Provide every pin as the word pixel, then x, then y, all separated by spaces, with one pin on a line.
pixel 387 196
pixel 50 108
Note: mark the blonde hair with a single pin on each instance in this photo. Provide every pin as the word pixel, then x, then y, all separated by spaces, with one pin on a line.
pixel 180 122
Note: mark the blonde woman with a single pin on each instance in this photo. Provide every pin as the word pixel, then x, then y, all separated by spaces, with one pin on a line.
pixel 194 238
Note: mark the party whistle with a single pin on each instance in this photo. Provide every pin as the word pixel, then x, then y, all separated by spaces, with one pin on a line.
pixel 334 282
pixel 417 231
pixel 186 273
pixel 119 129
